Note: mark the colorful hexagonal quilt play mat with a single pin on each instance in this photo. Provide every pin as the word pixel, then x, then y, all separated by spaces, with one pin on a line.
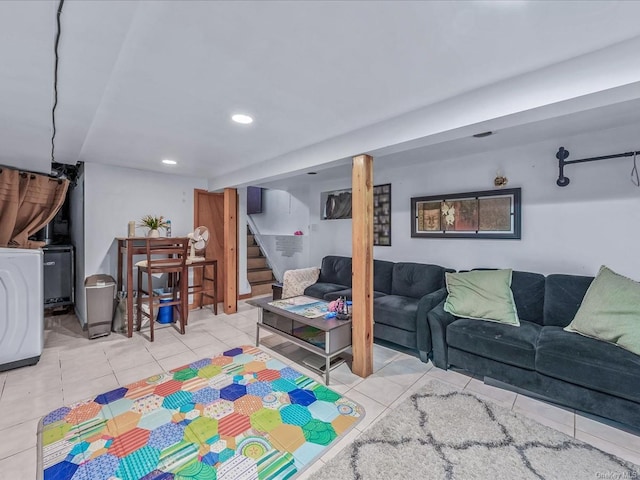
pixel 237 416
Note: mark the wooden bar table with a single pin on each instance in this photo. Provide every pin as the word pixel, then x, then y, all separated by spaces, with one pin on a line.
pixel 127 248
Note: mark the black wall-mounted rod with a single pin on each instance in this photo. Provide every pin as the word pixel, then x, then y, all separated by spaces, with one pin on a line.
pixel 563 154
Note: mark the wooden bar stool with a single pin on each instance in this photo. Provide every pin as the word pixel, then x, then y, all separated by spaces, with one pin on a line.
pixel 207 286
pixel 164 255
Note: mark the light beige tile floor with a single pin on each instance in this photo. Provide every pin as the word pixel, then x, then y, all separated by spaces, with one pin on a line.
pixel 73 368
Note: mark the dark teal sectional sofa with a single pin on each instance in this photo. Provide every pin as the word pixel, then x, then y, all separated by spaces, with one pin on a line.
pixel 403 294
pixel 539 356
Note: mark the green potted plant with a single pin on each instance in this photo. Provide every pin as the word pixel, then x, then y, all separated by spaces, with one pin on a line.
pixel 153 224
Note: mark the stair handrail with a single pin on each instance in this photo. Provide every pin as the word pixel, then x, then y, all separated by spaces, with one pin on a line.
pixel 277 273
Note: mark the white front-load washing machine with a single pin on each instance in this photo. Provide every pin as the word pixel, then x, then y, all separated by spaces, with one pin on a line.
pixel 21 307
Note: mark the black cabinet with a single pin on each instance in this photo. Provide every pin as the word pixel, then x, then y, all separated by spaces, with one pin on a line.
pixel 254 200
pixel 58 275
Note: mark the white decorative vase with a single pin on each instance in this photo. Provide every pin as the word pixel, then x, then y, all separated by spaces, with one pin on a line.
pixel 153 233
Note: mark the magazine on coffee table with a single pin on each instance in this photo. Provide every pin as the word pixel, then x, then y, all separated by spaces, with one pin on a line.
pixel 305 306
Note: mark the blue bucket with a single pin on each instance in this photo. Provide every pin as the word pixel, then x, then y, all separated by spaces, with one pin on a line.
pixel 165 314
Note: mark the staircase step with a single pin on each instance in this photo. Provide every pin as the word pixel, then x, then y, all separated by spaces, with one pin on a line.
pixel 261 288
pixel 256 262
pixel 260 275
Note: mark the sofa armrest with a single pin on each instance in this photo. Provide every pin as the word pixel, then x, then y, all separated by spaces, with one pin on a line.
pixel 423 334
pixel 439 320
pixel 294 282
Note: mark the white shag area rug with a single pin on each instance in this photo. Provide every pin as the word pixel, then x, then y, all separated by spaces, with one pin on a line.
pixel 443 433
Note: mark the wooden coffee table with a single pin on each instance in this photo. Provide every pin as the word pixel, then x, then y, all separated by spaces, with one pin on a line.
pixel 327 338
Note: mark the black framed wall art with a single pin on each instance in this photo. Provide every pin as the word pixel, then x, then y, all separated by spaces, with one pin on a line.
pixel 382 215
pixel 336 205
pixel 488 214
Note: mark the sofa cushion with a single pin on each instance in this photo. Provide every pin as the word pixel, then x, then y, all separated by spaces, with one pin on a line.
pixel 336 270
pixel 382 276
pixel 396 310
pixel 498 341
pixel 610 311
pixel 347 294
pixel 528 293
pixel 563 295
pixel 482 295
pixel 395 335
pixel 589 363
pixel 416 279
pixel 319 290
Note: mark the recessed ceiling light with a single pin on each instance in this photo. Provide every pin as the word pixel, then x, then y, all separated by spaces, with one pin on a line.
pixel 242 118
pixel 166 161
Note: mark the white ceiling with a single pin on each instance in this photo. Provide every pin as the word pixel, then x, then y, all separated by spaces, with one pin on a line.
pixel 558 129
pixel 143 81
pixel 26 80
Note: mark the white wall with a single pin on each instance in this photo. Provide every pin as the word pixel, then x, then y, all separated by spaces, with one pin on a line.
pixel 327 237
pixel 593 221
pixel 244 286
pixel 283 213
pixel 114 195
pixel 76 232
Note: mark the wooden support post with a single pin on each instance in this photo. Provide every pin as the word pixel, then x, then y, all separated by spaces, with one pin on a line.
pixel 362 255
pixel 231 250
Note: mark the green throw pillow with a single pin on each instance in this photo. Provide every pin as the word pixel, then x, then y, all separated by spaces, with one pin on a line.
pixel 482 295
pixel 610 311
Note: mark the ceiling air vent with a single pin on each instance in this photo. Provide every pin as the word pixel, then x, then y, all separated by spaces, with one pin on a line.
pixel 483 134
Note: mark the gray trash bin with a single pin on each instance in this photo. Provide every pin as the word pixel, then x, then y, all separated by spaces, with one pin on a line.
pixel 101 293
